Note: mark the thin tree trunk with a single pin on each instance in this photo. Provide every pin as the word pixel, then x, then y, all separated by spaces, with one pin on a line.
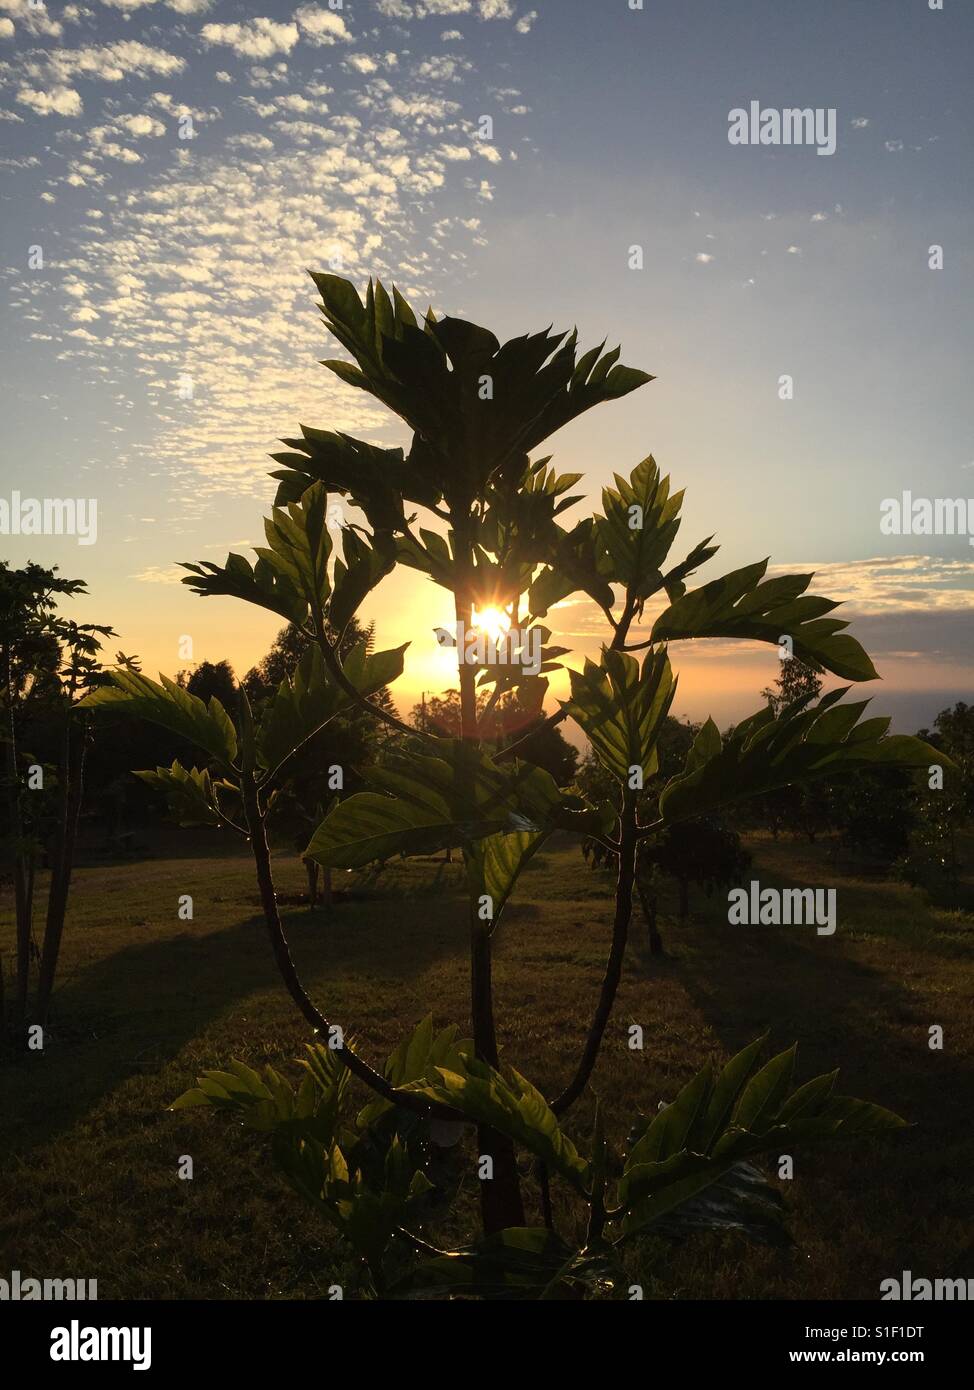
pixel 684 899
pixel 650 904
pixel 613 969
pixel 326 887
pixel 311 869
pixel 500 1196
pixel 282 956
pixel 62 866
pixel 23 894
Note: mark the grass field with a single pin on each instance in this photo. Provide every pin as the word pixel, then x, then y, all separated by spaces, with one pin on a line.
pixel 89 1151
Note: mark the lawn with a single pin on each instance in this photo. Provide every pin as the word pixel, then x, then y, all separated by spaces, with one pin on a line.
pixel 90 1153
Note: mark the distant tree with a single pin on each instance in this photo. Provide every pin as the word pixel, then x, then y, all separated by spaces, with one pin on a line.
pixel 953 733
pixel 346 743
pixel 933 858
pixel 210 679
pixel 795 681
pixel 509 719
pixel 874 813
pixel 801 810
pixel 287 649
pixel 48 663
pixel 280 663
pixel 440 715
pixel 704 852
pixel 545 745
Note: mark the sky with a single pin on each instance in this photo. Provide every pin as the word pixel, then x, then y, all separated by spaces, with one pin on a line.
pixel 172 168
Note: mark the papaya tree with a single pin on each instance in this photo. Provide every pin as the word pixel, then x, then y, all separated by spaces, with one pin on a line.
pixel 471 506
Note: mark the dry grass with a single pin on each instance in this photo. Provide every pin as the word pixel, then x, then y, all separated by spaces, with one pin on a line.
pixel 90 1153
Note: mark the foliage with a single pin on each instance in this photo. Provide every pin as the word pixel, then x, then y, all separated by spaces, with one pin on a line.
pixel 932 858
pixel 493 538
pixel 540 742
pixel 689 1167
pixel 47 663
pixel 702 851
pixel 209 679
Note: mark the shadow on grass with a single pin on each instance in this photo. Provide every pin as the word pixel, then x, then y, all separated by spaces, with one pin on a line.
pixel 842 1010
pixel 132 1012
pixel 864 1001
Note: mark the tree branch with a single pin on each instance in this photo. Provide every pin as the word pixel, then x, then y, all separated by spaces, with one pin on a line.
pixel 613 967
pixel 285 964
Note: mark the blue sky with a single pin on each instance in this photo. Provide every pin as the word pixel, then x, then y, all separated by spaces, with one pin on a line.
pixel 352 132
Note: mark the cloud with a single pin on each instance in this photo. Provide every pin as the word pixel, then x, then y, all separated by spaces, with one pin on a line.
pixel 180 6
pixel 251 141
pixel 6 28
pixel 898 603
pixel 204 272
pixel 178 109
pixel 322 27
pixel 158 574
pixel 496 9
pixel 113 150
pixel 361 62
pixel 113 62
pixel 442 68
pixel 36 21
pixel 60 101
pixel 524 24
pixel 423 9
pixel 140 125
pixel 258 38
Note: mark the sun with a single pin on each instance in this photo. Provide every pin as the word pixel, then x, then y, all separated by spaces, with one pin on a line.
pixel 492 622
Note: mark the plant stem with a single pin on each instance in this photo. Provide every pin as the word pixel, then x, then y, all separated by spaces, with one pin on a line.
pixel 500 1196
pixel 629 834
pixel 285 964
pixel 613 968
